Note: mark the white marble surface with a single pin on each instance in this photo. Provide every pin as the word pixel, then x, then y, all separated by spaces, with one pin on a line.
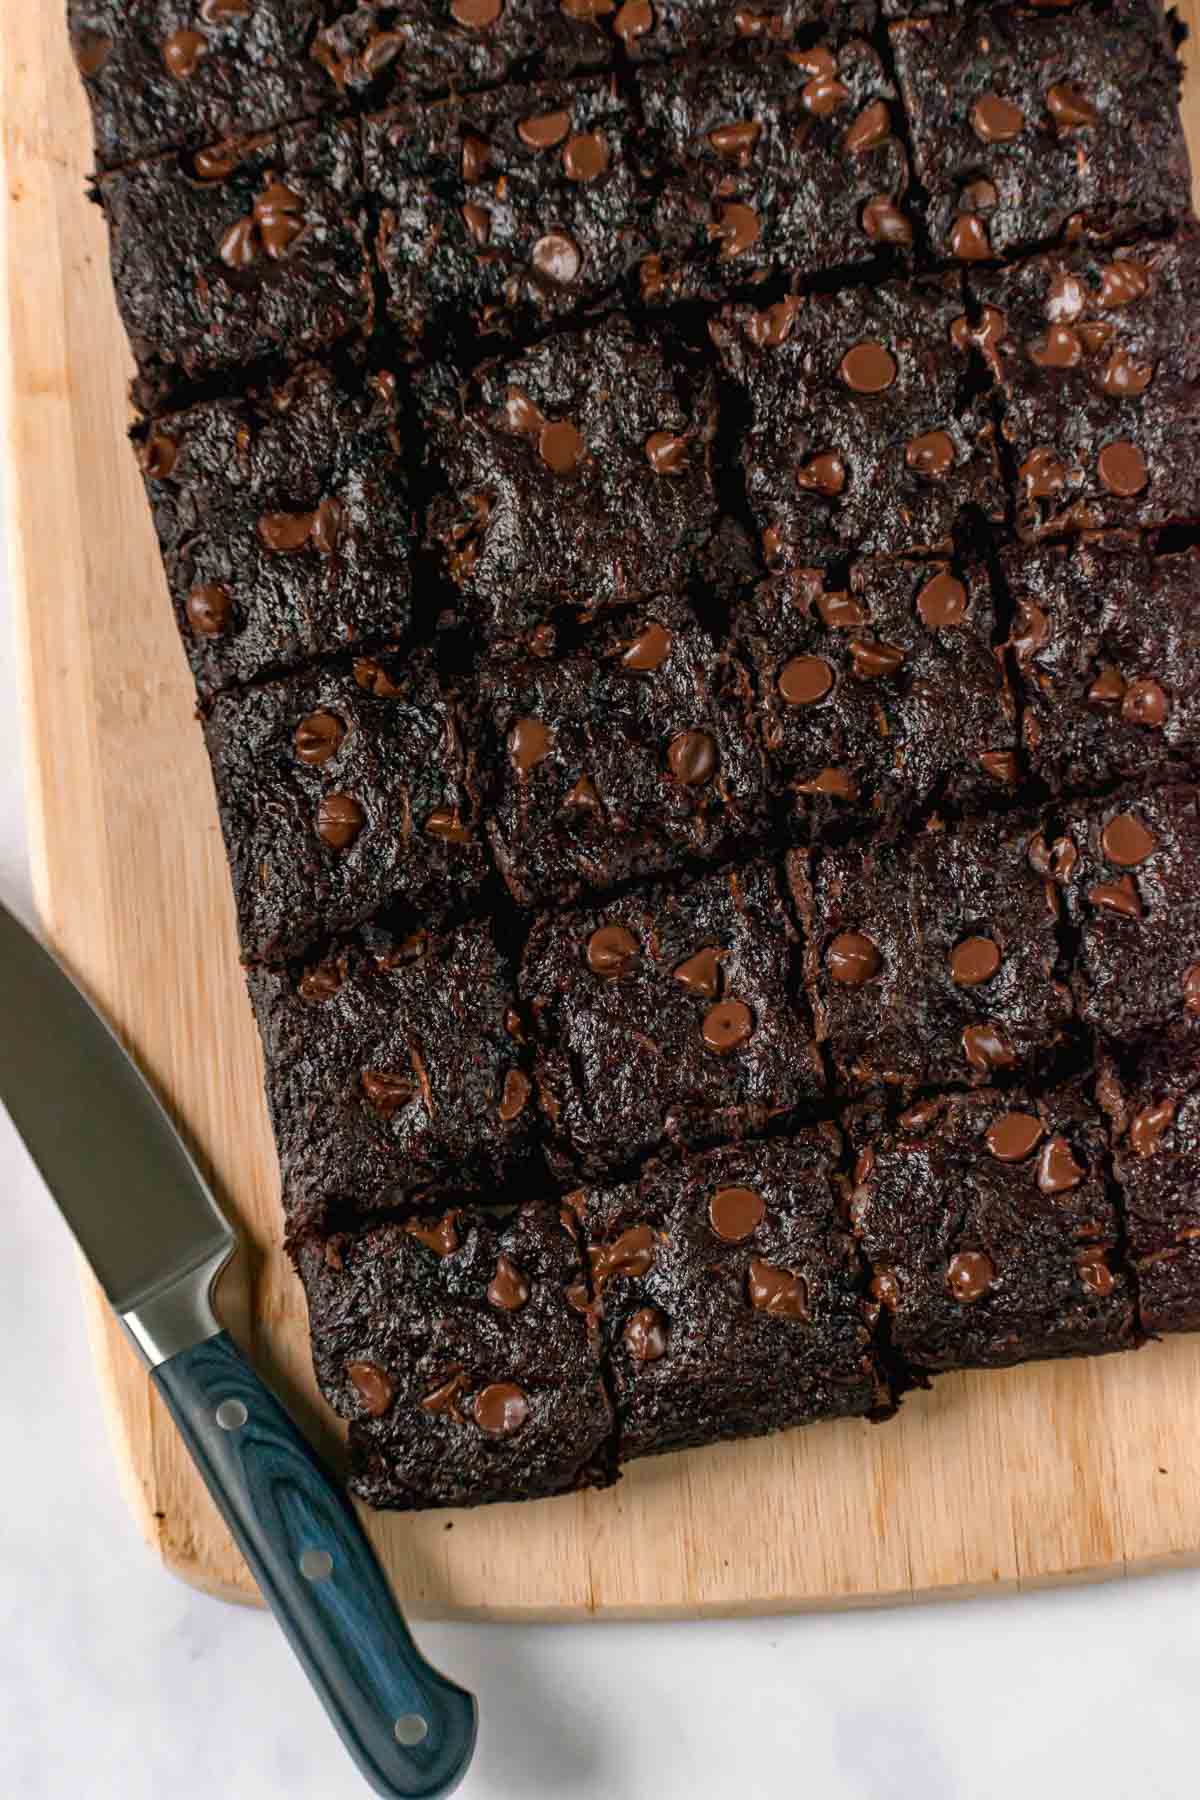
pixel 117 1681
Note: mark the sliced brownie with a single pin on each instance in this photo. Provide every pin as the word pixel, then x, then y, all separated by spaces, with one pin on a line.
pixel 1154 1100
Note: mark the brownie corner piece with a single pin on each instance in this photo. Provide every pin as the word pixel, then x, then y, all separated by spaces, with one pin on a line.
pixel 933 960
pixel 284 521
pixel 461 1351
pixel 668 1014
pixel 862 431
pixel 1021 1262
pixel 1031 123
pixel 1105 641
pixel 396 1065
pixel 255 251
pixel 578 474
pixel 730 1295
pixel 343 789
pixel 1153 1099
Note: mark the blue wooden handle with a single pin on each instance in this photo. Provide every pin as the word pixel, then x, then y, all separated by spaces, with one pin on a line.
pixel 410 1730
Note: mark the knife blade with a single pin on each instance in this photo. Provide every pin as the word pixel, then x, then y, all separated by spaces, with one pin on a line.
pixel 156 1239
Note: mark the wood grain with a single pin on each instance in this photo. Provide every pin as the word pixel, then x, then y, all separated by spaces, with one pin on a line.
pixel 1040 1475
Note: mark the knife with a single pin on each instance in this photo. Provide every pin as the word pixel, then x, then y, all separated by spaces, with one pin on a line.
pixel 149 1226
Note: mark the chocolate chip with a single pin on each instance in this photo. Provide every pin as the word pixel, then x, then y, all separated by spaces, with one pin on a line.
pixel 340 818
pixel 737 229
pixel 501 1408
pixel 974 960
pixel 1042 474
pixel 666 454
pixel 517 1089
pixel 92 50
pixel 1095 1273
pixel 475 157
pixel 285 533
pixel 735 1213
pixel 561 446
pixel 478 221
pixel 868 368
pixel 839 611
pixel 443 1400
pixel 585 156
pixel 557 258
pixel 631 1254
pixel 1191 989
pixel 776 1291
pixel 692 757
pixel 520 414
pixel 1057 1169
pixel 996 120
pixel 645 1335
pixel 528 744
pixel 1122 468
pixel 1122 282
pixel 737 140
pixel 158 455
pixel 1148 1127
pixel 1145 703
pixel 1120 897
pixel 872 127
pixel 1069 107
pixel 239 247
pixel 374 1385
pixel 885 1287
pixel 544 130
pixel 508 1289
pixel 1125 379
pixel 1059 349
pixel 873 660
pixel 321 982
pixel 182 52
pixel 610 950
pixel 375 679
pixel 919 1117
pixel 438 1235
pixel 970 1274
pixel 1013 1136
pixel 986 1047
pixel 884 223
pixel 1126 841
pixel 853 959
pixel 805 680
pixel 1108 688
pixel 767 329
pixel 969 239
pixel 444 823
pixel 386 1091
pixel 633 21
pixel 727 1026
pixel 586 9
pixel 826 474
pixel 278 218
pixel 930 455
pixel 210 609
pixel 1001 765
pixel 701 973
pixel 476 14
pixel 837 783
pixel 942 601
pixel 649 649
pixel 319 737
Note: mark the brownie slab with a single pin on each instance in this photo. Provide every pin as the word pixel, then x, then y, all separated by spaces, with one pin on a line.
pixel 341 790
pixel 284 522
pixel 1128 871
pixel 1154 1103
pixel 182 74
pixel 667 1015
pixel 989 1227
pixel 1099 367
pixel 451 1347
pixel 882 696
pixel 1105 638
pixel 777 167
pixel 262 255
pixel 860 431
pixel 731 1295
pixel 633 754
pixel 1028 123
pixel 579 475
pixel 393 1064
pixel 932 961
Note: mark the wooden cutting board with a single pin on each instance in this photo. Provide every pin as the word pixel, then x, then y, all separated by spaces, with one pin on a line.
pixel 990 1481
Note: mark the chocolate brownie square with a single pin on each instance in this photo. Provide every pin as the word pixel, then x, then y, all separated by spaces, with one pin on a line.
pixel 181 74
pixel 884 695
pixel 731 1295
pixel 259 253
pixel 508 208
pixel 1098 361
pixel 393 1064
pixel 1154 1102
pixel 783 166
pixel 340 790
pixel 1128 871
pixel 861 430
pixel 668 1015
pixel 932 961
pixel 633 754
pixel 988 1223
pixel 284 522
pixel 580 477
pixel 1028 124
pixel 452 1347
pixel 1105 639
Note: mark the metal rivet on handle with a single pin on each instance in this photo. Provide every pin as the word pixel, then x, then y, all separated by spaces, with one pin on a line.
pixel 316 1565
pixel 411 1728
pixel 231 1415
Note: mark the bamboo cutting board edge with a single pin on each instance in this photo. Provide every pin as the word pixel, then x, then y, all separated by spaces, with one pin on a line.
pixel 1055 1473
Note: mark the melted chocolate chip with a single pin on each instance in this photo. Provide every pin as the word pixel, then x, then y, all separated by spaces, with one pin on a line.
pixel 1095 1273
pixel 631 1254
pixel 557 258
pixel 210 609
pixel 873 660
pixel 544 130
pixel 610 950
pixel 475 14
pixel 517 1089
pixel 1122 282
pixel 692 757
pixel 736 140
pixel 1057 1169
pixel 1120 897
pixel 737 229
pixel 1145 703
pixel 501 1408
pixel 735 1213
pixel 942 601
pixel 836 783
pixel 475 157
pixel 930 455
pixel 1191 990
pixel 648 650
pixel 438 1235
pixel 561 446
pixel 1013 1136
pixel 585 157
pixel 508 1289
pixel 633 21
pixel 278 218
pixel 92 50
pixel 1001 765
pixel 1148 1127
pixel 645 1335
pixel 444 823
pixel 386 1091
pixel 374 1386
pixel 666 454
pixel 1042 474
pixel 852 959
pixel 727 1026
pixel 776 1291
pixel 319 737
pixel 1122 468
pixel 805 680
pixel 767 329
pixel 340 818
pixel 826 474
pixel 986 1047
pixel 528 744
pixel 520 414
pixel 969 240
pixel 884 223
pixel 478 221
pixel 321 982
pixel 1126 841
pixel 443 1400
pixel 1124 378
pixel 182 52
pixel 1061 348
pixel 285 533
pixel 996 120
pixel 1069 107
pixel 701 973
pixel 974 960
pixel 869 368
pixel 872 127
pixel 969 1276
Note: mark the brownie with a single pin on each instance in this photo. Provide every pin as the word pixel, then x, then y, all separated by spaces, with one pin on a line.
pixel 1028 123
pixel 784 166
pixel 668 1015
pixel 1098 361
pixel 284 522
pixel 452 1347
pixel 393 1064
pixel 932 961
pixel 579 475
pixel 1128 872
pixel 508 208
pixel 263 255
pixel 991 1233
pixel 861 429
pixel 1154 1101
pixel 1105 639
pixel 633 754
pixel 731 1295
pixel 181 74
pixel 691 28
pixel 883 695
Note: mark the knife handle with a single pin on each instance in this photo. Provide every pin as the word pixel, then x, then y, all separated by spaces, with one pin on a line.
pixel 410 1730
